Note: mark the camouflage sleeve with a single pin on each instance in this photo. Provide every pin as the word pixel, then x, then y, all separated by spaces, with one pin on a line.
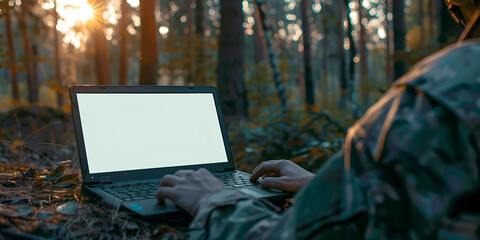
pixel 233 215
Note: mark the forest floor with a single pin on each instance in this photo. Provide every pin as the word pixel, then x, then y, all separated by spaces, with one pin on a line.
pixel 40 180
pixel 40 194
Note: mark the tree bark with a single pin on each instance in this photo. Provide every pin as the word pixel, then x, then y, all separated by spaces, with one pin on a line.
pixel 398 38
pixel 341 53
pixel 271 56
pixel 431 20
pixel 420 23
pixel 101 57
pixel 123 45
pixel 325 67
pixel 56 57
pixel 307 58
pixel 190 53
pixel 363 54
pixel 200 23
pixel 351 67
pixel 11 56
pixel 29 61
pixel 231 85
pixel 259 35
pixel 388 41
pixel 148 38
pixel 200 27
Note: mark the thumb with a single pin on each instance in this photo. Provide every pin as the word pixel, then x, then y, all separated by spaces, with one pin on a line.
pixel 273 182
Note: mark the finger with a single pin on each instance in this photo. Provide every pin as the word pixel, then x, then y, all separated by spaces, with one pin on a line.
pixel 169 181
pixel 258 166
pixel 261 164
pixel 273 182
pixel 271 167
pixel 180 173
pixel 204 171
pixel 165 192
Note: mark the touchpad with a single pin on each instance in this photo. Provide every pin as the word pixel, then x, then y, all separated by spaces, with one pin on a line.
pixel 252 193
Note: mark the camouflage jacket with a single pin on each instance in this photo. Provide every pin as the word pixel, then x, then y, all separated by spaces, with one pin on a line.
pixel 408 170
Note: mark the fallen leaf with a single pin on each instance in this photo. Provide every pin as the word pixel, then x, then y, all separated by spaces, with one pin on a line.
pixel 45 215
pixel 9 184
pixel 31 173
pixel 70 178
pixel 62 185
pixel 24 211
pixel 16 201
pixel 68 208
pixel 38 183
pixel 59 170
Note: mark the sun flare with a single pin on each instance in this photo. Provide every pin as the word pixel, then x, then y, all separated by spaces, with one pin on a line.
pixel 73 14
pixel 84 12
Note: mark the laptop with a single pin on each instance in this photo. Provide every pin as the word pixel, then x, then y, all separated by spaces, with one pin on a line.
pixel 129 137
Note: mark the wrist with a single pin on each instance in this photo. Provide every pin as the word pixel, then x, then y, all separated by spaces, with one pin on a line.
pixel 203 198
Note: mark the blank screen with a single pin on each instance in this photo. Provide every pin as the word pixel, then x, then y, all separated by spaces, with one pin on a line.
pixel 143 131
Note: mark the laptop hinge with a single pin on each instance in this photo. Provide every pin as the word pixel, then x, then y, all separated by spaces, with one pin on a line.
pixel 104 180
pixel 220 169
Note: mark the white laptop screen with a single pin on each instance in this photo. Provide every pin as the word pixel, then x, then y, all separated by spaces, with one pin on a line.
pixel 131 131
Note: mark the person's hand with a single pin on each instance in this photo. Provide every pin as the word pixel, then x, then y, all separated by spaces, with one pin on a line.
pixel 282 174
pixel 189 188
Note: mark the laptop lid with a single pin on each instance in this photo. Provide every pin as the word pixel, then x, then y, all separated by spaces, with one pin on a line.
pixel 127 133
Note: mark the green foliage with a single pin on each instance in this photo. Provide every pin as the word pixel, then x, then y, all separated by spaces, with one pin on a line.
pixel 306 138
pixel 193 55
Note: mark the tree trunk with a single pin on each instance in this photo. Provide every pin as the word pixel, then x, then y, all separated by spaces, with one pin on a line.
pixel 431 20
pixel 28 61
pixel 341 53
pixel 123 45
pixel 422 26
pixel 388 41
pixel 200 27
pixel 363 54
pixel 271 56
pixel 398 38
pixel 148 45
pixel 325 68
pixel 351 66
pixel 101 57
pixel 11 55
pixel 259 34
pixel 231 85
pixel 191 48
pixel 309 87
pixel 56 57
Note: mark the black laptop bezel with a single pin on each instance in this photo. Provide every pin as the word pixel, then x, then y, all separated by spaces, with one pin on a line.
pixel 143 174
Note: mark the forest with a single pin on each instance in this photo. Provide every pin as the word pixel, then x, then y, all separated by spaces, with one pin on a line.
pixel 292 77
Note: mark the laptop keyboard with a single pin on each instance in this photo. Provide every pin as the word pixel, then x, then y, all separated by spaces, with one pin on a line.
pixel 134 192
pixel 148 190
pixel 234 179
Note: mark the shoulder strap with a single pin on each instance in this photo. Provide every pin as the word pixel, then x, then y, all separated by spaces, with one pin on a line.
pixel 452 78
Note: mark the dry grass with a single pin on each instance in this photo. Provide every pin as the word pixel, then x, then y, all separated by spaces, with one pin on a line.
pixel 40 187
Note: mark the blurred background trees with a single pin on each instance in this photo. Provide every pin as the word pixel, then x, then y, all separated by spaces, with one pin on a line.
pixel 270 60
pixel 319 53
